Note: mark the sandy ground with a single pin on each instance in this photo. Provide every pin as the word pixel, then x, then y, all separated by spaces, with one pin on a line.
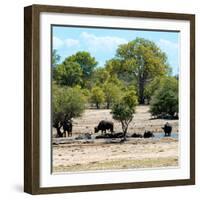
pixel 70 155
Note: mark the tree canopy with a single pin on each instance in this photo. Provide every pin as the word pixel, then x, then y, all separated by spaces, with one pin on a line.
pixel 140 60
pixel 86 62
pixel 68 73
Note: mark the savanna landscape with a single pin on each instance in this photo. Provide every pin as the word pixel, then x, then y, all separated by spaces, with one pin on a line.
pixel 122 115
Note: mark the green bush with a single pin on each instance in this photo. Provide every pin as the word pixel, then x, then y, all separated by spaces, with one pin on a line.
pixel 165 99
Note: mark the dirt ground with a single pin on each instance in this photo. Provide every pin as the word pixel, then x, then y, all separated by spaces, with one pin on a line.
pixel 71 155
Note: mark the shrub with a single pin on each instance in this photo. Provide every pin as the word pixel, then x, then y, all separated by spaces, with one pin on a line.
pixel 124 109
pixel 165 99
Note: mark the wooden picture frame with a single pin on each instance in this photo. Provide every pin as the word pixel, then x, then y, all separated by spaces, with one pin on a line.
pixel 32 97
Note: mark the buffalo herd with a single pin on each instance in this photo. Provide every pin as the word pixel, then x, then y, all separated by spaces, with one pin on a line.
pixel 105 125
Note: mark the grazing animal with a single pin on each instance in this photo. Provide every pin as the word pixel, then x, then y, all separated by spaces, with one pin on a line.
pixel 167 129
pixel 148 134
pixel 67 126
pixel 103 126
pixel 136 135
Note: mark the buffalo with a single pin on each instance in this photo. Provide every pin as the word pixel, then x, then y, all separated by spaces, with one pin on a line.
pixel 103 126
pixel 148 134
pixel 67 126
pixel 167 129
pixel 136 135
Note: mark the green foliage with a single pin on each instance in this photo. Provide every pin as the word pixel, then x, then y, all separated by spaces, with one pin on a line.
pixel 165 99
pixel 97 96
pixel 124 109
pixel 67 103
pixel 86 94
pixel 99 76
pixel 68 73
pixel 143 60
pixel 112 93
pixel 120 69
pixel 153 86
pixel 86 62
pixel 130 99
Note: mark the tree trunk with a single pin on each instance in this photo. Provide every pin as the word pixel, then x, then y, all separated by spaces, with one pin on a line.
pixel 141 91
pixel 97 105
pixel 108 105
pixel 125 132
pixel 124 128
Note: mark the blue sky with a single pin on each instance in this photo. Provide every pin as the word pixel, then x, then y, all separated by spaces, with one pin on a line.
pixel 102 43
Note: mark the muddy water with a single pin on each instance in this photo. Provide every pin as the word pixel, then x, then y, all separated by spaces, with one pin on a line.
pixel 161 135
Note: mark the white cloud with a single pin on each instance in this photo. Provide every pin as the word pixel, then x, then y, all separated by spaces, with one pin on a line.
pixel 102 42
pixel 71 42
pixel 167 44
pixel 58 43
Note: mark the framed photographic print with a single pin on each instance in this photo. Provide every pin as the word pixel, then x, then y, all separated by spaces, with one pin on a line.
pixel 109 99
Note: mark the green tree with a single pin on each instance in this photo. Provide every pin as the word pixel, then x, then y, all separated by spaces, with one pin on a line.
pixel 68 73
pixel 142 60
pixel 99 76
pixel 112 93
pixel 119 68
pixel 124 109
pixel 67 103
pixel 153 86
pixel 86 62
pixel 165 99
pixel 55 58
pixel 97 96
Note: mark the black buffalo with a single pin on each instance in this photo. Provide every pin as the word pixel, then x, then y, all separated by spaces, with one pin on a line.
pixel 136 135
pixel 167 129
pixel 148 134
pixel 67 126
pixel 103 126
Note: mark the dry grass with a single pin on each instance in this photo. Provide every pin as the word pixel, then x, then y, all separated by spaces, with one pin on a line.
pixel 119 164
pixel 106 155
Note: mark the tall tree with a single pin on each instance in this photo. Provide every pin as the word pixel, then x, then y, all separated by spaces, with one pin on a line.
pixel 142 59
pixel 123 71
pixel 86 62
pixel 68 73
